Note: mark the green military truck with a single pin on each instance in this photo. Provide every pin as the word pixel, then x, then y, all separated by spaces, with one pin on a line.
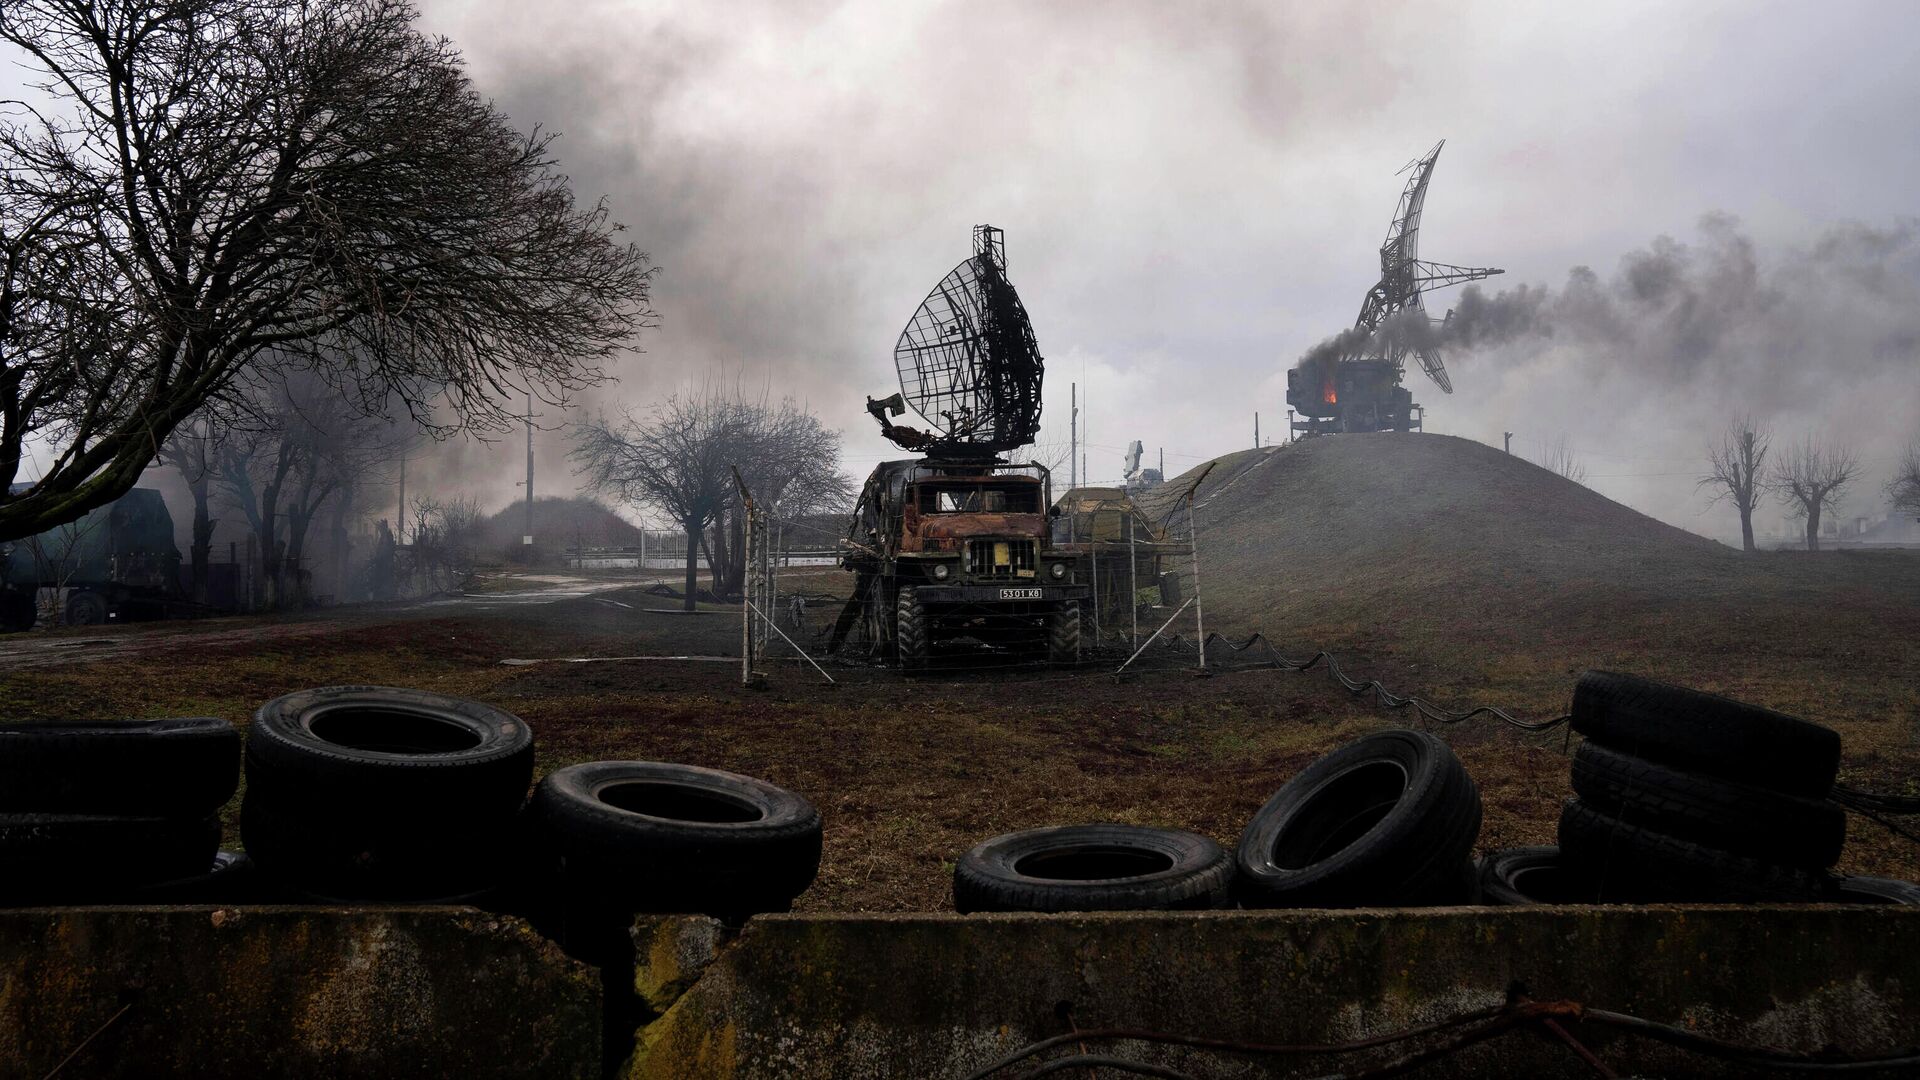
pixel 118 563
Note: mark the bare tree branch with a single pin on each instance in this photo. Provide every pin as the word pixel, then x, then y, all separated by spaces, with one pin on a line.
pixel 248 186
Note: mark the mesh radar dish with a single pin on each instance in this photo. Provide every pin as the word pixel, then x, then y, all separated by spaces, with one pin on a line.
pixel 1404 276
pixel 968 362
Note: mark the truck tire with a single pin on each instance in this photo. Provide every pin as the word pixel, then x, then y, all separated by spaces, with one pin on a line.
pixel 18 611
pixel 910 630
pixel 1093 868
pixel 97 858
pixel 1385 821
pixel 1857 889
pixel 379 793
pixel 1708 810
pixel 1706 733
pixel 1063 634
pixel 1519 876
pixel 85 608
pixel 653 836
pixel 185 767
pixel 1624 862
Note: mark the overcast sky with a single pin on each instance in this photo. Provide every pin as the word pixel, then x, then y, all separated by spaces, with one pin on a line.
pixel 1193 195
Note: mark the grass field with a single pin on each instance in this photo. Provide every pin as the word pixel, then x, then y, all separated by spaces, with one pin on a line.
pixel 908 773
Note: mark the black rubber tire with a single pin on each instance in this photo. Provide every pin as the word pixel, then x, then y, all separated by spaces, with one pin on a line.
pixel 1625 863
pixel 230 880
pixel 91 858
pixel 1384 821
pixel 1063 634
pixel 910 630
pixel 405 748
pixel 1707 810
pixel 1150 870
pixel 1858 889
pixel 185 767
pixel 18 611
pixel 654 836
pixel 1518 876
pixel 85 608
pixel 383 794
pixel 1706 733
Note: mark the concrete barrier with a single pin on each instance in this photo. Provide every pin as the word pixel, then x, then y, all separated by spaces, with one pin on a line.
pixel 430 992
pixel 853 997
pixel 259 992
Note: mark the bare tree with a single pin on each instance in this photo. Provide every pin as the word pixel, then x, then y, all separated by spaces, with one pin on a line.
pixel 298 445
pixel 674 461
pixel 440 551
pixel 1737 471
pixel 1561 460
pixel 194 449
pixel 791 463
pixel 219 185
pixel 1903 491
pixel 1809 478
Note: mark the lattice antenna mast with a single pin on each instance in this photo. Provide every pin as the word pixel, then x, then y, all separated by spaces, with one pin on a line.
pixel 968 362
pixel 1404 276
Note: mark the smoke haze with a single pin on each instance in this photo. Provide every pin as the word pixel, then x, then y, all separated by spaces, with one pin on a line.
pixel 1193 197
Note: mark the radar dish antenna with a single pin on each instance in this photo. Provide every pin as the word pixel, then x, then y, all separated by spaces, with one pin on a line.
pixel 1404 276
pixel 968 362
pixel 1134 450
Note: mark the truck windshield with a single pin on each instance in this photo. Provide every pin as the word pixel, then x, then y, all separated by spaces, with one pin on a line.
pixel 977 499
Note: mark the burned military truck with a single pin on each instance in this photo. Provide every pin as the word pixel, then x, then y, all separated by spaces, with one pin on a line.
pixel 952 550
pixel 955 548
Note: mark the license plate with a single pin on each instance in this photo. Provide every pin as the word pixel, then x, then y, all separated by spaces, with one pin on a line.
pixel 1021 594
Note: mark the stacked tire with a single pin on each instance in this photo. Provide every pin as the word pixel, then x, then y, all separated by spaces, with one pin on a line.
pixel 118 812
pixel 1683 796
pixel 373 793
pixel 634 836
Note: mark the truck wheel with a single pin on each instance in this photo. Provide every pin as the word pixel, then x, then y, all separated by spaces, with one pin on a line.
pixel 1063 633
pixel 86 608
pixel 910 630
pixel 17 611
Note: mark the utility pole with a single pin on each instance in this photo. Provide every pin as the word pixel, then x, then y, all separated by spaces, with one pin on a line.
pixel 1256 431
pixel 1509 437
pixel 527 539
pixel 1163 464
pixel 1073 442
pixel 400 535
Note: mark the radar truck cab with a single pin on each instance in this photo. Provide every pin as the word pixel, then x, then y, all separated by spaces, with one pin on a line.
pixel 960 553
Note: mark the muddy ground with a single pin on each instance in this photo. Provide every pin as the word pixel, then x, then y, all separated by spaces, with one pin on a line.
pixel 907 772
